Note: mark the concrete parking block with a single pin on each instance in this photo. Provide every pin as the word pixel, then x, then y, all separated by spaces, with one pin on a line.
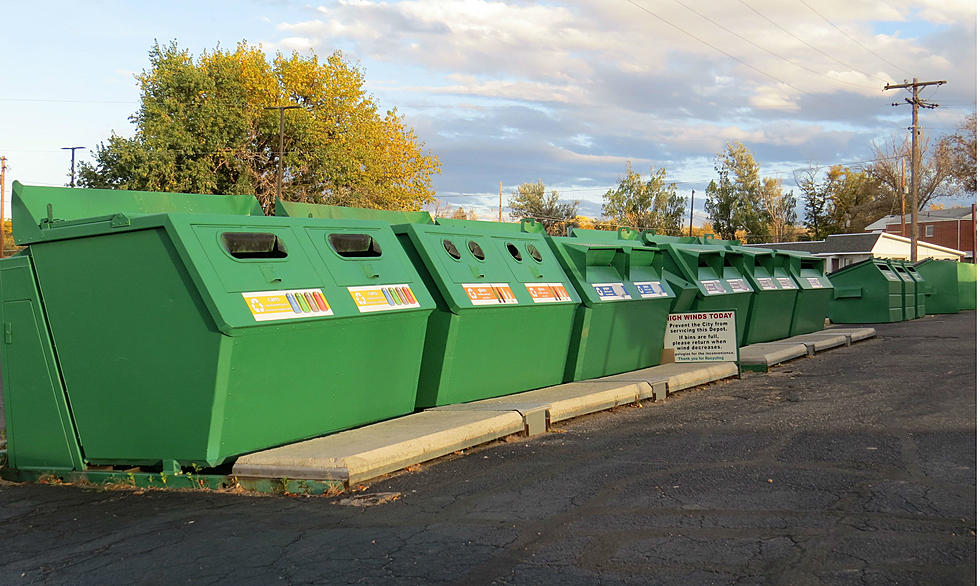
pixel 759 357
pixel 854 334
pixel 679 375
pixel 821 341
pixel 567 400
pixel 368 452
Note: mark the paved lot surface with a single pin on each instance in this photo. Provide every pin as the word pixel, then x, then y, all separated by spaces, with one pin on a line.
pixel 856 466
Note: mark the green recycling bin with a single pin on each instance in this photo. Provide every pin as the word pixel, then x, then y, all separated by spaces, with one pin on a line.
pixel 184 330
pixel 684 291
pixel 505 309
pixel 920 288
pixel 942 293
pixel 815 290
pixel 966 276
pixel 909 301
pixel 866 292
pixel 774 298
pixel 625 301
pixel 714 272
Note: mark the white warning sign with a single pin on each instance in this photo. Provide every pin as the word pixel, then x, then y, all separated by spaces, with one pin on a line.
pixel 705 336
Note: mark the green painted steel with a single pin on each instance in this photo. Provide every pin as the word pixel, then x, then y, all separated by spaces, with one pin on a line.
pixel 966 277
pixel 815 291
pixel 920 288
pixel 774 298
pixel 685 292
pixel 189 339
pixel 309 210
pixel 909 301
pixel 56 207
pixel 714 271
pixel 866 292
pixel 625 301
pixel 505 308
pixel 942 293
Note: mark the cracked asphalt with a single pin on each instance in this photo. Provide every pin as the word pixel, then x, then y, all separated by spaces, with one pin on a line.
pixel 855 466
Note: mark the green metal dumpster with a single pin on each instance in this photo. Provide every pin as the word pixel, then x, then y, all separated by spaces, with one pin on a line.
pixel 909 301
pixel 187 338
pixel 505 309
pixel 942 293
pixel 866 292
pixel 920 288
pixel 815 290
pixel 714 272
pixel 966 276
pixel 625 301
pixel 774 298
pixel 683 290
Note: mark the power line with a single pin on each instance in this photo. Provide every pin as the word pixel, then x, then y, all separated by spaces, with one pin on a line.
pixel 761 48
pixel 722 51
pixel 815 48
pixel 841 31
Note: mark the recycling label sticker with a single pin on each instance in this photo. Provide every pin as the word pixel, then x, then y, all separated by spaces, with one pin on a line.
pixel 371 298
pixel 547 292
pixel 286 304
pixel 611 291
pixel 649 289
pixel 489 293
pixel 766 283
pixel 786 283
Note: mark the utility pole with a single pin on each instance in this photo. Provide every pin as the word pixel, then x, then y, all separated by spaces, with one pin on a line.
pixel 903 197
pixel 500 208
pixel 690 223
pixel 72 149
pixel 282 123
pixel 3 190
pixel 915 102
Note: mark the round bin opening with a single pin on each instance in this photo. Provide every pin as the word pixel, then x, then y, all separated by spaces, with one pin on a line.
pixel 451 248
pixel 514 252
pixel 534 252
pixel 476 250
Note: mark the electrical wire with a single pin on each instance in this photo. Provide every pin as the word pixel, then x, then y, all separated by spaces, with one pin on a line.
pixel 722 51
pixel 857 42
pixel 815 48
pixel 776 55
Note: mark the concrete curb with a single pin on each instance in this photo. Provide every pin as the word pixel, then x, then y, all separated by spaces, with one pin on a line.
pixel 854 334
pixel 678 375
pixel 759 357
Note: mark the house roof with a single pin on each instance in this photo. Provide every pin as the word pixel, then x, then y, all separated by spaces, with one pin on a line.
pixel 924 216
pixel 861 243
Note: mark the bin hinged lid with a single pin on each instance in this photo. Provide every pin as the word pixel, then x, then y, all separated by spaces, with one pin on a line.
pixel 295 209
pixel 38 212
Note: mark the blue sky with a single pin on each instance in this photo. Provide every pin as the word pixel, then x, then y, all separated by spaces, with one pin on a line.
pixel 565 92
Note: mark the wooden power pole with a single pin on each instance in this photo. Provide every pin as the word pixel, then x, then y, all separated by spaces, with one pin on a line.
pixel 282 125
pixel 915 102
pixel 500 207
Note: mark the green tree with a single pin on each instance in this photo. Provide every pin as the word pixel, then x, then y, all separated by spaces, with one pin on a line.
pixel 963 154
pixel 735 201
pixel 652 204
pixel 816 203
pixel 531 201
pixel 203 127
pixel 780 208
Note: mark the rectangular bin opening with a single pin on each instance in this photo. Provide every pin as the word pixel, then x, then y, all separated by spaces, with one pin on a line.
pixel 355 245
pixel 248 245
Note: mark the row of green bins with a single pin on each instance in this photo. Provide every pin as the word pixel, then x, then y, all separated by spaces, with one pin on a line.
pixel 184 330
pixel 625 301
pixel 815 291
pixel 942 287
pixel 966 277
pixel 867 292
pixel 505 309
pixel 713 271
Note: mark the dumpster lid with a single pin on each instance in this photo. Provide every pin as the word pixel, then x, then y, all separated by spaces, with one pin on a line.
pixel 36 210
pixel 619 234
pixel 295 209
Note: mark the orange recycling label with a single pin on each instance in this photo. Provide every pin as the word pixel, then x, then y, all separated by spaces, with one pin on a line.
pixel 547 292
pixel 489 293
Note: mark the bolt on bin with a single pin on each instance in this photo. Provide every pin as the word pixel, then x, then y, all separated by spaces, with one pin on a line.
pixel 815 290
pixel 625 301
pixel 714 271
pixel 920 288
pixel 866 292
pixel 942 294
pixel 684 291
pixel 169 329
pixel 908 288
pixel 774 298
pixel 505 309
pixel 966 277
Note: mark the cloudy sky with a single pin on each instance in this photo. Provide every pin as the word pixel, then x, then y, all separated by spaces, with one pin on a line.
pixel 564 92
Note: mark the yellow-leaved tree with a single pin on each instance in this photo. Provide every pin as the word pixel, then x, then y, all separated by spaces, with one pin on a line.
pixel 210 126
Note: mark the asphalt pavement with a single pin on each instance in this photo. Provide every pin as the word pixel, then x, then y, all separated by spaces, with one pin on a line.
pixel 854 466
